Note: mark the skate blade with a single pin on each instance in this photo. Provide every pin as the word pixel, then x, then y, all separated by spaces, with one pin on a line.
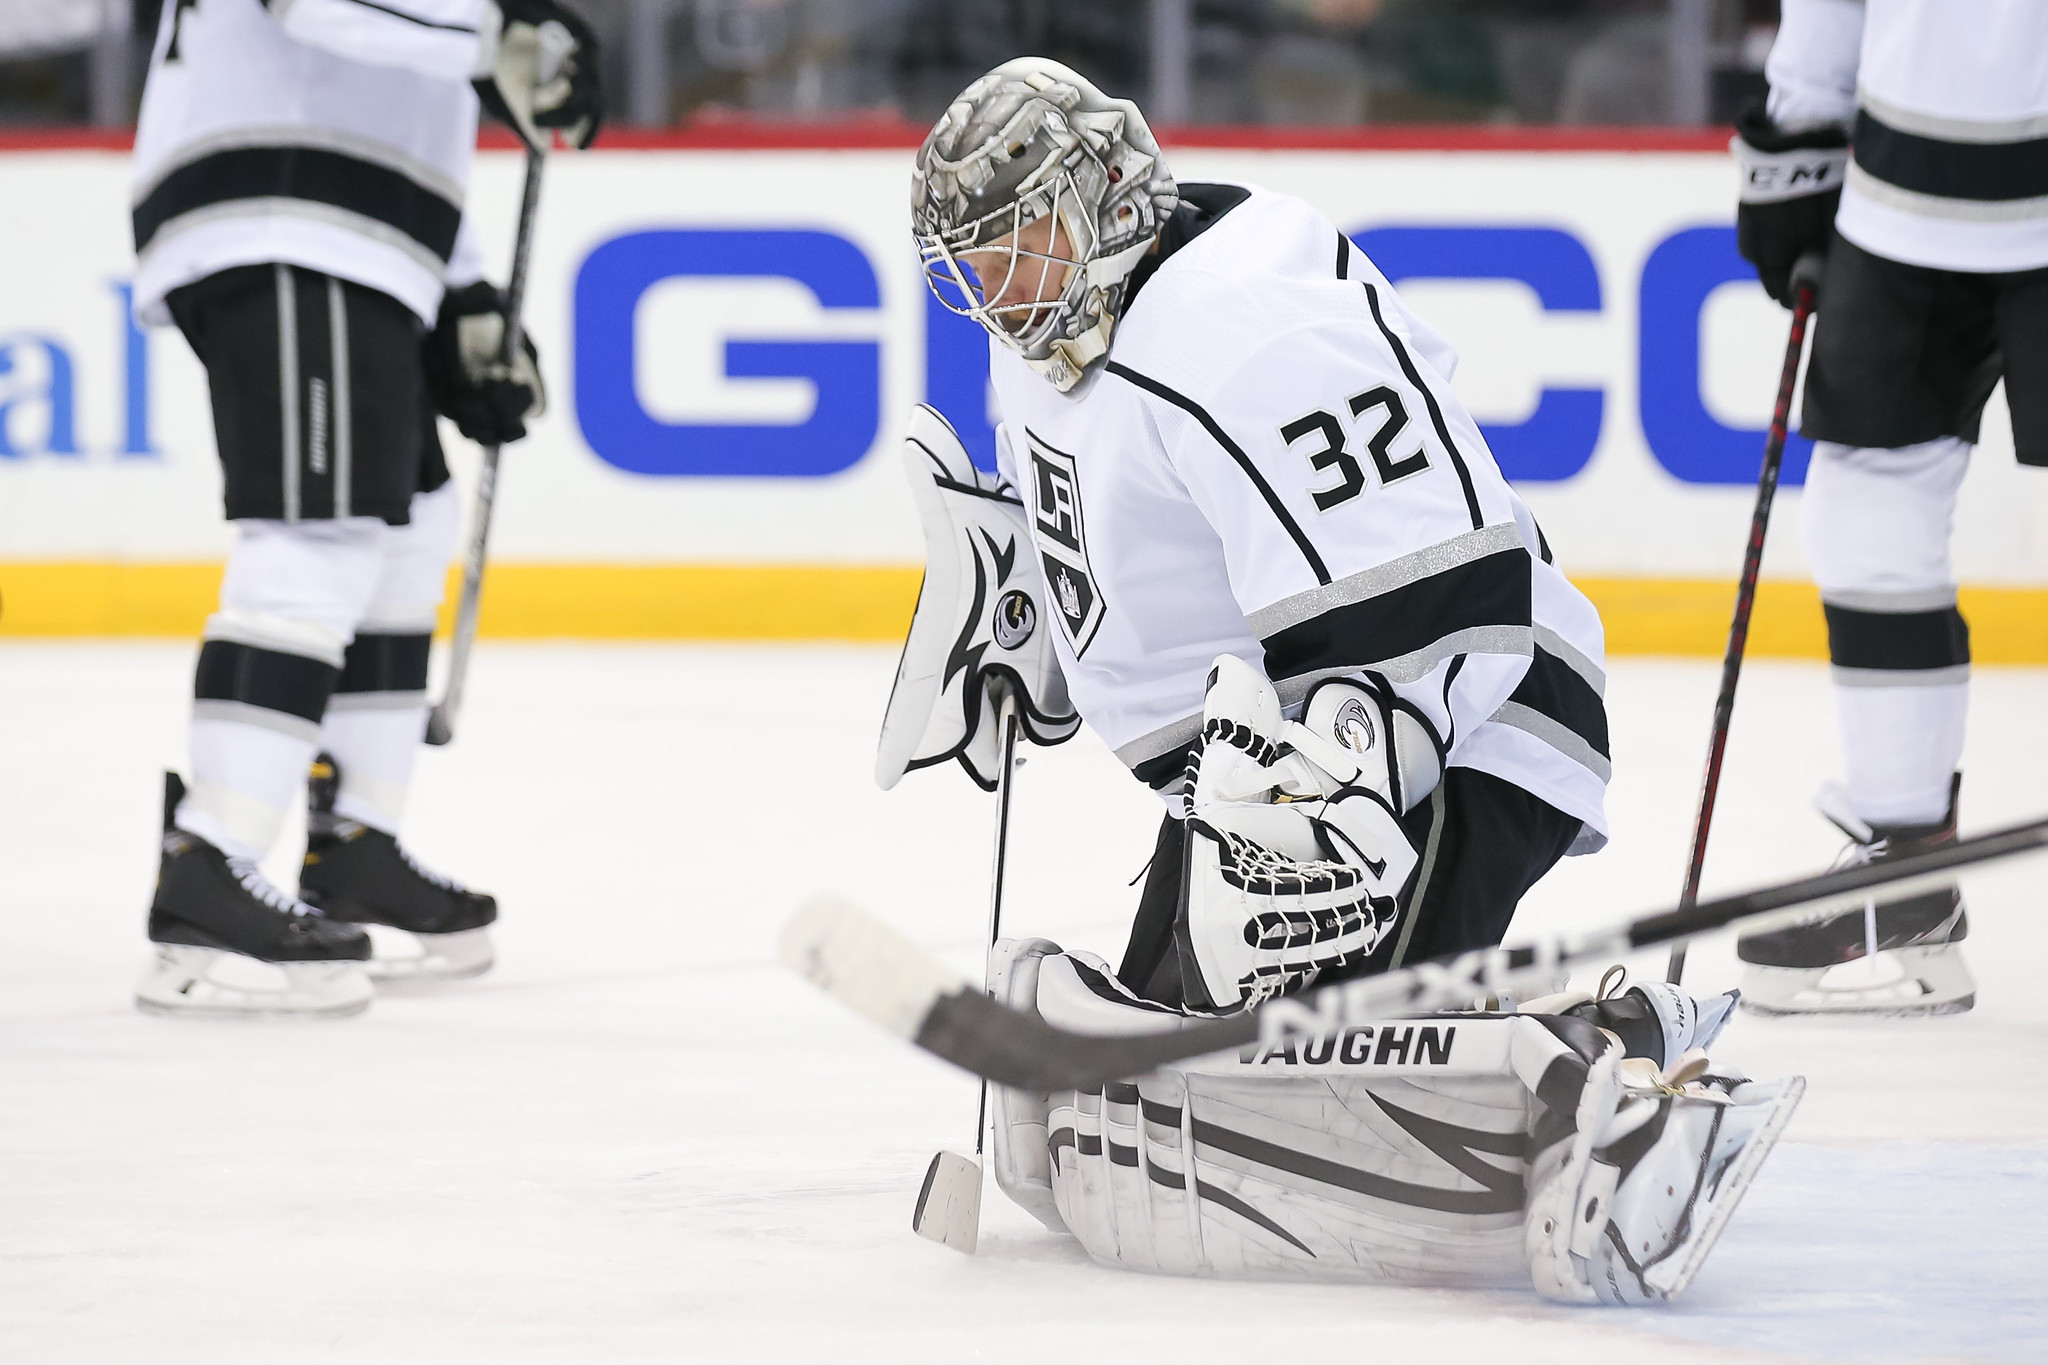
pixel 1734 1184
pixel 208 983
pixel 402 961
pixel 1902 982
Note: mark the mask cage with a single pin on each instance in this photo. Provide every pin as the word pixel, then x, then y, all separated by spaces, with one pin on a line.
pixel 1031 324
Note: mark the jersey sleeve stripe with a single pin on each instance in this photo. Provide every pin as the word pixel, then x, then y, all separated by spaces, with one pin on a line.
pixel 1405 632
pixel 1591 673
pixel 1460 549
pixel 1244 461
pixel 1554 733
pixel 1553 689
pixel 1157 757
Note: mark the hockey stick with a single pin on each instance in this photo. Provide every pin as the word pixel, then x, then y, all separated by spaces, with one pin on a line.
pixel 441 720
pixel 1805 294
pixel 949 1206
pixel 870 968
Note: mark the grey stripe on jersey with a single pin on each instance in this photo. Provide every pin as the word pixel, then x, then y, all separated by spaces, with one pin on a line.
pixel 288 383
pixel 1595 677
pixel 1165 740
pixel 262 717
pixel 1416 664
pixel 1554 733
pixel 1463 548
pixel 338 364
pixel 1953 129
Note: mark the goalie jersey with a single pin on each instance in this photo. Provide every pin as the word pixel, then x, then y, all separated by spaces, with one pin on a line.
pixel 1272 464
pixel 331 134
pixel 1947 102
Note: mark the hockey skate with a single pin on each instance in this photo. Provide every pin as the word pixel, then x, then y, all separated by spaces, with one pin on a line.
pixel 424 927
pixel 1626 1209
pixel 231 944
pixel 1897 957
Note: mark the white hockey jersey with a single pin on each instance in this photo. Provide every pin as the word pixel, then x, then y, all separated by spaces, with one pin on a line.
pixel 1948 104
pixel 331 134
pixel 1271 464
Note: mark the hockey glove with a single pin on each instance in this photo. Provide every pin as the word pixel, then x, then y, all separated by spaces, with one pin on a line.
pixel 467 377
pixel 1791 185
pixel 979 619
pixel 1296 853
pixel 542 76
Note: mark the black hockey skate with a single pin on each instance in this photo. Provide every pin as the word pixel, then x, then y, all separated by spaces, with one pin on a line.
pixel 361 875
pixel 230 943
pixel 1905 952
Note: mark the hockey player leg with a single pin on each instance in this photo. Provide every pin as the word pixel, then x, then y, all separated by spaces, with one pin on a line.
pixel 1877 530
pixel 228 941
pixel 424 926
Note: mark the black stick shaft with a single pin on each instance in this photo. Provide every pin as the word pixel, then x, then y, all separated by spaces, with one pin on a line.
pixel 1806 288
pixel 1015 1048
pixel 1007 721
pixel 441 721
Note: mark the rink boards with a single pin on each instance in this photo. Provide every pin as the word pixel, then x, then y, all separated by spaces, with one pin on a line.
pixel 732 334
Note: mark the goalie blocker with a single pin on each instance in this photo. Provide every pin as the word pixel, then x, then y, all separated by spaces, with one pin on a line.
pixel 980 621
pixel 1583 1146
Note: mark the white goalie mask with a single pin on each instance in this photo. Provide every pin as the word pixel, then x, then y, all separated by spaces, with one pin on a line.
pixel 1032 200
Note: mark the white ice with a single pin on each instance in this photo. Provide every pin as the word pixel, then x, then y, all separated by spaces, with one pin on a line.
pixel 640 1139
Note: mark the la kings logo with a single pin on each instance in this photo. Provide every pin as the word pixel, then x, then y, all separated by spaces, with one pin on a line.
pixel 1063 545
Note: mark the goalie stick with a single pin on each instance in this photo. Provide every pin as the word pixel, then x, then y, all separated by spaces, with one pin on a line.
pixel 876 972
pixel 949 1205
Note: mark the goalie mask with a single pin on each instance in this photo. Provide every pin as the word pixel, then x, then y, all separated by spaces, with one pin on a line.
pixel 1033 199
pixel 980 621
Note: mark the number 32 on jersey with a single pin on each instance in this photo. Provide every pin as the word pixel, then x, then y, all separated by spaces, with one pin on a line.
pixel 1331 455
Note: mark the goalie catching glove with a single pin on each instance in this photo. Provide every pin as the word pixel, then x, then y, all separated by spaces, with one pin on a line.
pixel 979 624
pixel 1296 854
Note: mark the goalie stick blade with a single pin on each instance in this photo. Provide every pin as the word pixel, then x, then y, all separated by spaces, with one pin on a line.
pixel 949 1206
pixel 882 976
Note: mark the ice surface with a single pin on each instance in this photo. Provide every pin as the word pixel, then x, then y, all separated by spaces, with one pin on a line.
pixel 638 1139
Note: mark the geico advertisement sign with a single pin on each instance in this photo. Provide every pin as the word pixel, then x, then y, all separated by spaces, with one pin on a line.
pixel 731 339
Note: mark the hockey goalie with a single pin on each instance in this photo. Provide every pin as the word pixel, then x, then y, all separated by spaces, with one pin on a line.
pixel 1242 526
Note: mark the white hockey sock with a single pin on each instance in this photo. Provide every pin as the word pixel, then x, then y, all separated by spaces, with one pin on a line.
pixel 378 716
pixel 1901 746
pixel 1877 525
pixel 245 779
pixel 292 594
pixel 376 747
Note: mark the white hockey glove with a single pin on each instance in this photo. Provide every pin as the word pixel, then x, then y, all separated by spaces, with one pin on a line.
pixel 1626 1207
pixel 979 621
pixel 1296 854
